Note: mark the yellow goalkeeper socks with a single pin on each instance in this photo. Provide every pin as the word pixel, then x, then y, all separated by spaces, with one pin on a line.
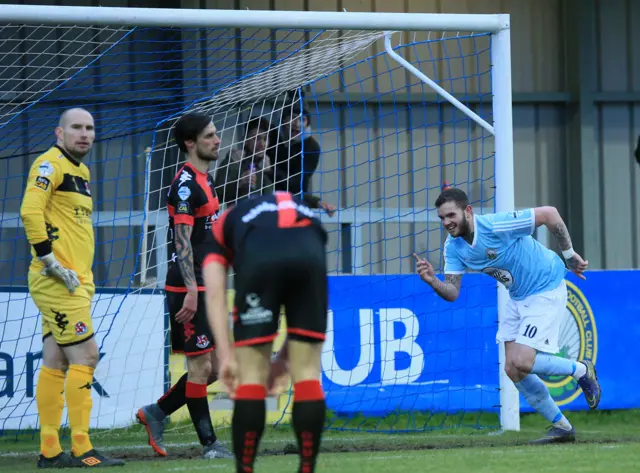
pixel 50 402
pixel 79 403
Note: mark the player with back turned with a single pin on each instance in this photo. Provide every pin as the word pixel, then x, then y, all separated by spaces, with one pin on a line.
pixel 502 246
pixel 277 249
pixel 56 213
pixel 193 207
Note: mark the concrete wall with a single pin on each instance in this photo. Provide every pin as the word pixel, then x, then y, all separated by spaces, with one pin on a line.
pixel 575 79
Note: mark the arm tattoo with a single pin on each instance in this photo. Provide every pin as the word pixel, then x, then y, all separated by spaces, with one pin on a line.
pixel 184 254
pixel 560 231
pixel 448 289
pixel 572 263
pixel 454 279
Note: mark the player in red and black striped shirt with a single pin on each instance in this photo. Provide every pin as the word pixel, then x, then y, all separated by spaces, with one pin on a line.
pixel 276 246
pixel 192 206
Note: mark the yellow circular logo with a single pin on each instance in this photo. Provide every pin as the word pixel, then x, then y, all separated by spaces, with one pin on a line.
pixel 578 340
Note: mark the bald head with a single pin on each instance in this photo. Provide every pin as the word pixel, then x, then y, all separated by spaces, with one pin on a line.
pixel 74 114
pixel 76 132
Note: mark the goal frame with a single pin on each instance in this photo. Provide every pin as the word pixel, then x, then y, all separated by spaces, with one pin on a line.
pixel 496 24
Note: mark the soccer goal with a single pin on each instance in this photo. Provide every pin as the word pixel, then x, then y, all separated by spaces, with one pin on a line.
pixel 400 105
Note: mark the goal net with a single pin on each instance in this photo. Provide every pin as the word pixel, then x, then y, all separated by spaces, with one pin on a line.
pixel 376 122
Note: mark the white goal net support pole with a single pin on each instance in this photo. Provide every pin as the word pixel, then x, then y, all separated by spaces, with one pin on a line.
pixel 497 25
pixel 502 129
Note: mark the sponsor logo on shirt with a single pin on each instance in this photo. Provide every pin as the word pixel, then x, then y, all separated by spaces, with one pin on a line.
pixel 184 177
pixel 182 208
pixel 42 183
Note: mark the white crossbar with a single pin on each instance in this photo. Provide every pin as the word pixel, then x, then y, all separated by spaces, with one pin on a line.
pixel 212 18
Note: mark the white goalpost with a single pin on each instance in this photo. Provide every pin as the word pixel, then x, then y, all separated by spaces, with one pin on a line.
pixel 399 103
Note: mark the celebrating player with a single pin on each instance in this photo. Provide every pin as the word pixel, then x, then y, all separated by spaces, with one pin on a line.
pixel 277 249
pixel 501 246
pixel 56 213
pixel 192 207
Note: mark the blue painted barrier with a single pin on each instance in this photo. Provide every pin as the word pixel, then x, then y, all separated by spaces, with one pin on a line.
pixel 393 345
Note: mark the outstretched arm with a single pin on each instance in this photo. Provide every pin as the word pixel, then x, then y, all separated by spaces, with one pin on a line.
pixel 550 218
pixel 449 290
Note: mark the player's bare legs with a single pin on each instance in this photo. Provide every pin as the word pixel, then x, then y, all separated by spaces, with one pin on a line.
pixel 523 364
pixel 53 356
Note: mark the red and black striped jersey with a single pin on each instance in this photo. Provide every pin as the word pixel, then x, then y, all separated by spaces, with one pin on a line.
pixel 272 211
pixel 191 201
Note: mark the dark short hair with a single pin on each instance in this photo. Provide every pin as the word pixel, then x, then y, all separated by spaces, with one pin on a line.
pixel 257 122
pixel 453 195
pixel 295 110
pixel 188 127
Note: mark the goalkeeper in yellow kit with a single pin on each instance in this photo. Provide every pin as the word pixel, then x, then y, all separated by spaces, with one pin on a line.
pixel 56 213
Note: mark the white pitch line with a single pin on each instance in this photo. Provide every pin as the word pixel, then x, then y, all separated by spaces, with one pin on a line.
pixel 198 467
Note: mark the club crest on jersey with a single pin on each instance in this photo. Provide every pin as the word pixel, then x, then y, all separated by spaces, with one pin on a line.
pixel 491 253
pixel 86 187
pixel 202 341
pixel 184 193
pixel 81 328
pixel 45 169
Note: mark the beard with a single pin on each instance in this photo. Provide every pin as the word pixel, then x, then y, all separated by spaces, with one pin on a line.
pixel 463 226
pixel 207 156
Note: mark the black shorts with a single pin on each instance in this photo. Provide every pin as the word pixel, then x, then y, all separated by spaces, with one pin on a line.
pixel 280 267
pixel 194 337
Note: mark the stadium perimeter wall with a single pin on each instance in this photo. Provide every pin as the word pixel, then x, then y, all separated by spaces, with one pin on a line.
pixel 576 82
pixel 436 356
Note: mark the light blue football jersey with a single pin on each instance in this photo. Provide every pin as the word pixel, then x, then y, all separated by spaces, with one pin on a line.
pixel 504 249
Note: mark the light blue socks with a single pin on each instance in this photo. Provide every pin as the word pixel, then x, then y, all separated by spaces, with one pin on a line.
pixel 538 397
pixel 552 365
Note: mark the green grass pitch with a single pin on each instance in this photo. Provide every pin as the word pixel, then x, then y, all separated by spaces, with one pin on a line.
pixel 607 441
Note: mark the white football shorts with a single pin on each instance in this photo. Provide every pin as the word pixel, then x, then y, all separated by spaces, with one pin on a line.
pixel 535 320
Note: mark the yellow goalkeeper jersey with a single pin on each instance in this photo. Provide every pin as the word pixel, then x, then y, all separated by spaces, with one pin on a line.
pixel 56 213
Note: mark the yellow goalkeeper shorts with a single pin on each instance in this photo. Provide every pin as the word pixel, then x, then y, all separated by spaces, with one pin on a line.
pixel 65 316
